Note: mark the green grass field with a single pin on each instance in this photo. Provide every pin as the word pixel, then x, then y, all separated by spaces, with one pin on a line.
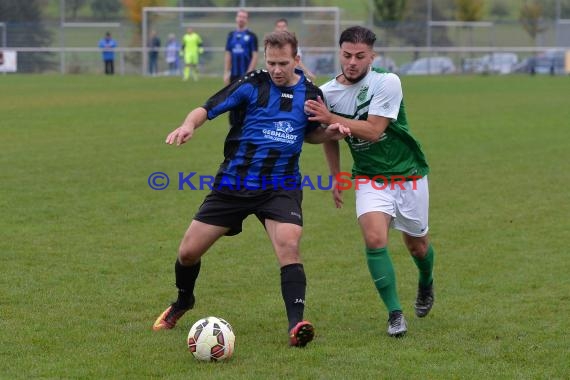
pixel 87 248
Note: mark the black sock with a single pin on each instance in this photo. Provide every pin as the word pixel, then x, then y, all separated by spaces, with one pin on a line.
pixel 293 285
pixel 185 282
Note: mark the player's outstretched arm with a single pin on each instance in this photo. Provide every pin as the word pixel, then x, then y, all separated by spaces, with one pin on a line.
pixel 332 132
pixel 195 119
pixel 370 129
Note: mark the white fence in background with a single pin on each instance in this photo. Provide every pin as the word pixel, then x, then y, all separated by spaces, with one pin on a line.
pixel 321 60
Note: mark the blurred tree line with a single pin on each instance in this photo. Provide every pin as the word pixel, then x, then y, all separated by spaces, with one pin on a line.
pixel 101 9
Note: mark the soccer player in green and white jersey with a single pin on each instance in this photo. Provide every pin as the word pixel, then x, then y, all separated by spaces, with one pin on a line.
pixel 389 170
pixel 191 50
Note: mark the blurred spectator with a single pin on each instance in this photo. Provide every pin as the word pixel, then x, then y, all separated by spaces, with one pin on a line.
pixel 108 45
pixel 240 57
pixel 241 50
pixel 191 50
pixel 154 45
pixel 172 51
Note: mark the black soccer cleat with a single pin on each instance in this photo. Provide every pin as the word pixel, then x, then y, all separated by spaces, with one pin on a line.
pixel 424 300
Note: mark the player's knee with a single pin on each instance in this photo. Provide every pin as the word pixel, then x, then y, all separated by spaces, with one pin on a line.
pixel 288 247
pixel 187 256
pixel 287 250
pixel 418 248
pixel 375 241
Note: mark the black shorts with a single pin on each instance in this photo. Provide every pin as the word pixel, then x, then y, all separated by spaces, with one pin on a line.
pixel 229 210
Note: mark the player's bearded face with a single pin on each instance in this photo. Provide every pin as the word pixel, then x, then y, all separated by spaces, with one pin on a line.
pixel 281 64
pixel 355 60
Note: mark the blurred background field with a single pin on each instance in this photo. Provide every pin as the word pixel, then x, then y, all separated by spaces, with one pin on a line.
pixel 61 35
pixel 87 248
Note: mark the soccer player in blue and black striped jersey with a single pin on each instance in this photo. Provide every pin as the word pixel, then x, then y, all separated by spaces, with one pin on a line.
pixel 259 176
pixel 240 56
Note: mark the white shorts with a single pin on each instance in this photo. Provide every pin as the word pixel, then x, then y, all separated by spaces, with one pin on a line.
pixel 408 208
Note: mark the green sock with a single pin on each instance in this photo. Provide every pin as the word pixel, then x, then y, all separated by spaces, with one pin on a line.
pixel 382 272
pixel 425 267
pixel 186 72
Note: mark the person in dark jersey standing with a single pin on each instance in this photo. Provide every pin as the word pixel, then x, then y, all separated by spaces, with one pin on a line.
pixel 240 56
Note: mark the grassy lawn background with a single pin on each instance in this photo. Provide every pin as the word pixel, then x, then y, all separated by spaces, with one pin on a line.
pixel 87 248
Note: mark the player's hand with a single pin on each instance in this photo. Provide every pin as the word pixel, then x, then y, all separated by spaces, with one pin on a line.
pixel 318 111
pixel 337 194
pixel 226 78
pixel 338 131
pixel 180 135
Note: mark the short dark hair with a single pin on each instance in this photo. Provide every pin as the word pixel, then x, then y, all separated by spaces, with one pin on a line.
pixel 281 20
pixel 280 40
pixel 357 35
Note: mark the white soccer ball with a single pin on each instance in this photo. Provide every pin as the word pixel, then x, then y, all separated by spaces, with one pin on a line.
pixel 211 339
